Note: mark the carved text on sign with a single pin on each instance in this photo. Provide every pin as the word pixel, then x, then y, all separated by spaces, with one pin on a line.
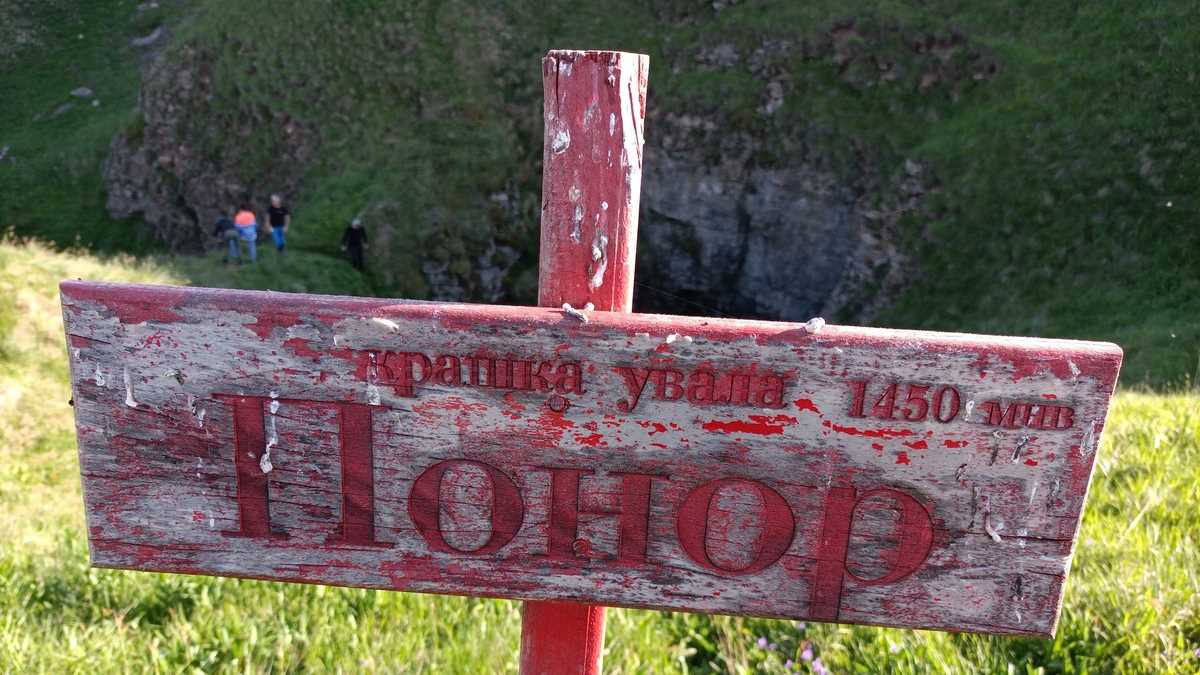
pixel 856 475
pixel 631 512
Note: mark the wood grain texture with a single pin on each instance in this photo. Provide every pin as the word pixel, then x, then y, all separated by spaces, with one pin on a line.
pixel 704 465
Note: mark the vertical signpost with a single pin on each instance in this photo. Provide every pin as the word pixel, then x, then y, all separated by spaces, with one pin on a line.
pixel 577 455
pixel 594 111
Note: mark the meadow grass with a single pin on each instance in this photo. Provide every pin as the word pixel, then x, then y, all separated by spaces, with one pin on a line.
pixel 1065 195
pixel 1132 601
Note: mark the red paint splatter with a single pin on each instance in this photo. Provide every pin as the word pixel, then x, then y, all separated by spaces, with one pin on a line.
pixel 301 347
pixel 870 433
pixel 655 427
pixel 955 444
pixel 902 458
pixel 263 324
pixel 1049 397
pixel 593 440
pixel 197 517
pixel 555 420
pixel 758 424
pixel 917 445
pixel 806 404
pixel 660 445
pixel 512 407
pixel 1031 462
pixel 877 446
pixel 663 348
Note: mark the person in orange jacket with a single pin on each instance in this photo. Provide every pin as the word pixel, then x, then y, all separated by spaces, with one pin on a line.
pixel 247 227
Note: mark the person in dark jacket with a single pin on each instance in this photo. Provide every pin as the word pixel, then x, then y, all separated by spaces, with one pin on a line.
pixel 354 241
pixel 226 231
pixel 280 218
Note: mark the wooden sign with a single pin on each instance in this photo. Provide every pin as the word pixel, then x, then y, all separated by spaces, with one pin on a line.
pixel 772 469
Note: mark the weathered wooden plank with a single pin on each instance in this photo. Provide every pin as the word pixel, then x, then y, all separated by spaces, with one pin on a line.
pixel 849 474
pixel 594 113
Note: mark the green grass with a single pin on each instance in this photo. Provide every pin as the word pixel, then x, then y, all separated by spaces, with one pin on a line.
pixel 1132 602
pixel 53 186
pixel 296 271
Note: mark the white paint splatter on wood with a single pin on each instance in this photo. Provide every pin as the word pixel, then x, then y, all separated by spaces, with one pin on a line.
pixel 129 400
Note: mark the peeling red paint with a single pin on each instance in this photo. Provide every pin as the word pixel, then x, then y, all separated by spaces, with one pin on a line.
pixel 593 440
pixel 131 304
pixel 302 348
pixel 902 458
pixel 655 427
pixel 870 433
pixel 266 322
pixel 763 425
pixel 806 404
pixel 917 445
pixel 955 444
pixel 555 420
pixel 513 408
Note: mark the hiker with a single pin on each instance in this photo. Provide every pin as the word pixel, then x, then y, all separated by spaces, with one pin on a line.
pixel 226 231
pixel 280 218
pixel 247 229
pixel 354 240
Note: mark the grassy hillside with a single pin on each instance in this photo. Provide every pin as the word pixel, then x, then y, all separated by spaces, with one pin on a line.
pixel 50 180
pixel 1132 604
pixel 1066 182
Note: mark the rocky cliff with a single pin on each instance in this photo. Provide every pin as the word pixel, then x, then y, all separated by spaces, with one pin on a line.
pixel 752 206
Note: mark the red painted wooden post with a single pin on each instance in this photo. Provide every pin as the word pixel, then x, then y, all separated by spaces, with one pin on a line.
pixel 595 110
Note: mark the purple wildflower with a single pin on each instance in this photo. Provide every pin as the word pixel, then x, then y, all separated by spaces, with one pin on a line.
pixel 895 648
pixel 789 665
pixel 800 625
pixel 1196 653
pixel 819 668
pixel 772 647
pixel 807 653
pixel 762 643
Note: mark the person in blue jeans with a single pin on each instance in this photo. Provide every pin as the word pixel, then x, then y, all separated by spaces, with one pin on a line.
pixel 247 228
pixel 280 218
